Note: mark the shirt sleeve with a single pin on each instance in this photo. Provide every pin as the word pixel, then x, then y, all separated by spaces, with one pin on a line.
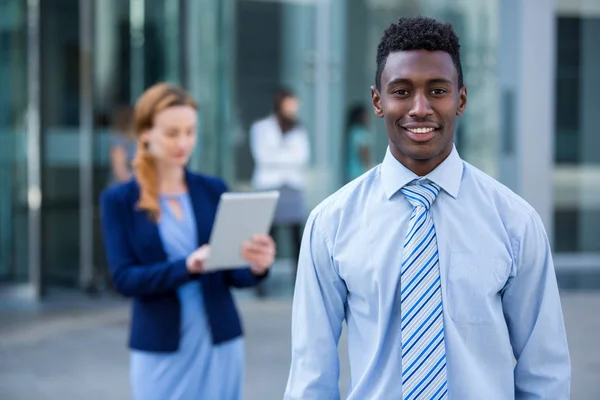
pixel 270 150
pixel 317 317
pixel 534 318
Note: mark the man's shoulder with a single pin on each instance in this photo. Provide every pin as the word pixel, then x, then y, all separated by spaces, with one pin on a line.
pixel 493 190
pixel 348 197
pixel 263 122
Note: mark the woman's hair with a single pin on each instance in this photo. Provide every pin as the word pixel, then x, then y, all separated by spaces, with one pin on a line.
pixel 154 100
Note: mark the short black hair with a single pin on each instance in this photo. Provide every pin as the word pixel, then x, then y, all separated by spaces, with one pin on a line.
pixel 418 33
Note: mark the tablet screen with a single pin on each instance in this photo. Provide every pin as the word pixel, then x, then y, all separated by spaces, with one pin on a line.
pixel 240 215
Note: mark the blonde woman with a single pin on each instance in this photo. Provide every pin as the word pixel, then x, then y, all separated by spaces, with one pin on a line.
pixel 186 337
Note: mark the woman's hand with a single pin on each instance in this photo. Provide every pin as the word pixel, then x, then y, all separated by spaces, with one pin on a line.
pixel 195 261
pixel 260 253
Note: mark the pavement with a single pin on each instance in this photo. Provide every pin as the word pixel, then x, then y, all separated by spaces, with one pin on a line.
pixel 73 347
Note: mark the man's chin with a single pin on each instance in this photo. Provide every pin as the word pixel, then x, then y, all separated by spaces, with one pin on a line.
pixel 422 151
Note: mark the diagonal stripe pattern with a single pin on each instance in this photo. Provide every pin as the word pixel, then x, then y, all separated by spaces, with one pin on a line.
pixel 423 347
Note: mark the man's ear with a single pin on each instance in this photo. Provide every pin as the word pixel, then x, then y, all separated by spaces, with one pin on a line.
pixel 462 101
pixel 376 102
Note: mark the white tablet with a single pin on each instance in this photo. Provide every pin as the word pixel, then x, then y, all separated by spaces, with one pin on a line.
pixel 240 215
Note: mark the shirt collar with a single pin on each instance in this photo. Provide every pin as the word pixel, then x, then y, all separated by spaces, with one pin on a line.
pixel 447 175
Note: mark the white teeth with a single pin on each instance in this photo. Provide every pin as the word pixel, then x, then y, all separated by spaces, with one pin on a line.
pixel 421 130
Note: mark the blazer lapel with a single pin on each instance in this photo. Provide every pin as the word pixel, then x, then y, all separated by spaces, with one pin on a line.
pixel 147 233
pixel 204 203
pixel 204 206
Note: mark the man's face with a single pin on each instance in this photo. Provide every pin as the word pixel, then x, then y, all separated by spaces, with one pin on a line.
pixel 289 108
pixel 420 101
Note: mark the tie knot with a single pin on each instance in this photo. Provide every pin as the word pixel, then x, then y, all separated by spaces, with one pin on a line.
pixel 421 194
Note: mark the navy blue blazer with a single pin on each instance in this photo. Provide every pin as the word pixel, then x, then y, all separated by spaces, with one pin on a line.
pixel 140 269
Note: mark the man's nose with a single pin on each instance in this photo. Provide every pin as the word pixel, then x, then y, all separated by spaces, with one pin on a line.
pixel 420 107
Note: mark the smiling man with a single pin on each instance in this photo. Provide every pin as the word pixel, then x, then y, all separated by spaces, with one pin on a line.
pixel 443 275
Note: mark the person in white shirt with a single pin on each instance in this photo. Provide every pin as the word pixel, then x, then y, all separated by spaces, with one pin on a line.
pixel 281 152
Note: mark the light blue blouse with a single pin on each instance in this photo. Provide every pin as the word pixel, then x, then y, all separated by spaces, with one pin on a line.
pixel 198 370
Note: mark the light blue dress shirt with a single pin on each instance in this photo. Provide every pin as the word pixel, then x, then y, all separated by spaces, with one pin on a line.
pixel 503 323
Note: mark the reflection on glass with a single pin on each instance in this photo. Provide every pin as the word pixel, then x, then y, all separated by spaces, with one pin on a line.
pixel 275 47
pixel 281 43
pixel 136 44
pixel 13 134
pixel 476 24
pixel 577 173
pixel 60 106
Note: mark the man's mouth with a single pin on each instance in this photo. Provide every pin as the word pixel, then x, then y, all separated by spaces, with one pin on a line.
pixel 421 134
pixel 420 130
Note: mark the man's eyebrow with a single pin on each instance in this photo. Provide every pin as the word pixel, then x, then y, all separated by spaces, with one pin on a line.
pixel 405 81
pixel 440 80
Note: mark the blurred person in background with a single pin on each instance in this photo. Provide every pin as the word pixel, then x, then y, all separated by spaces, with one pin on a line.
pixel 185 336
pixel 123 147
pixel 281 152
pixel 358 143
pixel 443 275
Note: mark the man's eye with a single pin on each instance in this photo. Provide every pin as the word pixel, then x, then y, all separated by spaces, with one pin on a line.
pixel 401 92
pixel 439 91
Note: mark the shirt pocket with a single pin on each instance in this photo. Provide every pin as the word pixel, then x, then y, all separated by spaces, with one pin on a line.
pixel 473 283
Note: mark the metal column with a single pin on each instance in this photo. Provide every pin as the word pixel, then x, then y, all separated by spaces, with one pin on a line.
pixel 526 80
pixel 322 74
pixel 34 191
pixel 86 145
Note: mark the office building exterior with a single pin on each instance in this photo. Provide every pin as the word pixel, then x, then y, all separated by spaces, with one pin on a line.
pixel 68 66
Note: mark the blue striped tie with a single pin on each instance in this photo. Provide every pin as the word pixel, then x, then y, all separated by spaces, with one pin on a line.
pixel 423 348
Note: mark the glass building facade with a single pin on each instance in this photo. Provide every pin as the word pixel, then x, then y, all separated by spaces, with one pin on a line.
pixel 14 96
pixel 68 66
pixel 577 173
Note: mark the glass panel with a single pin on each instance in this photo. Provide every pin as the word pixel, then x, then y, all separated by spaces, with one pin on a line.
pixel 275 46
pixel 577 172
pixel 255 47
pixel 60 140
pixel 210 31
pixel 325 51
pixel 13 141
pixel 136 44
pixel 476 24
